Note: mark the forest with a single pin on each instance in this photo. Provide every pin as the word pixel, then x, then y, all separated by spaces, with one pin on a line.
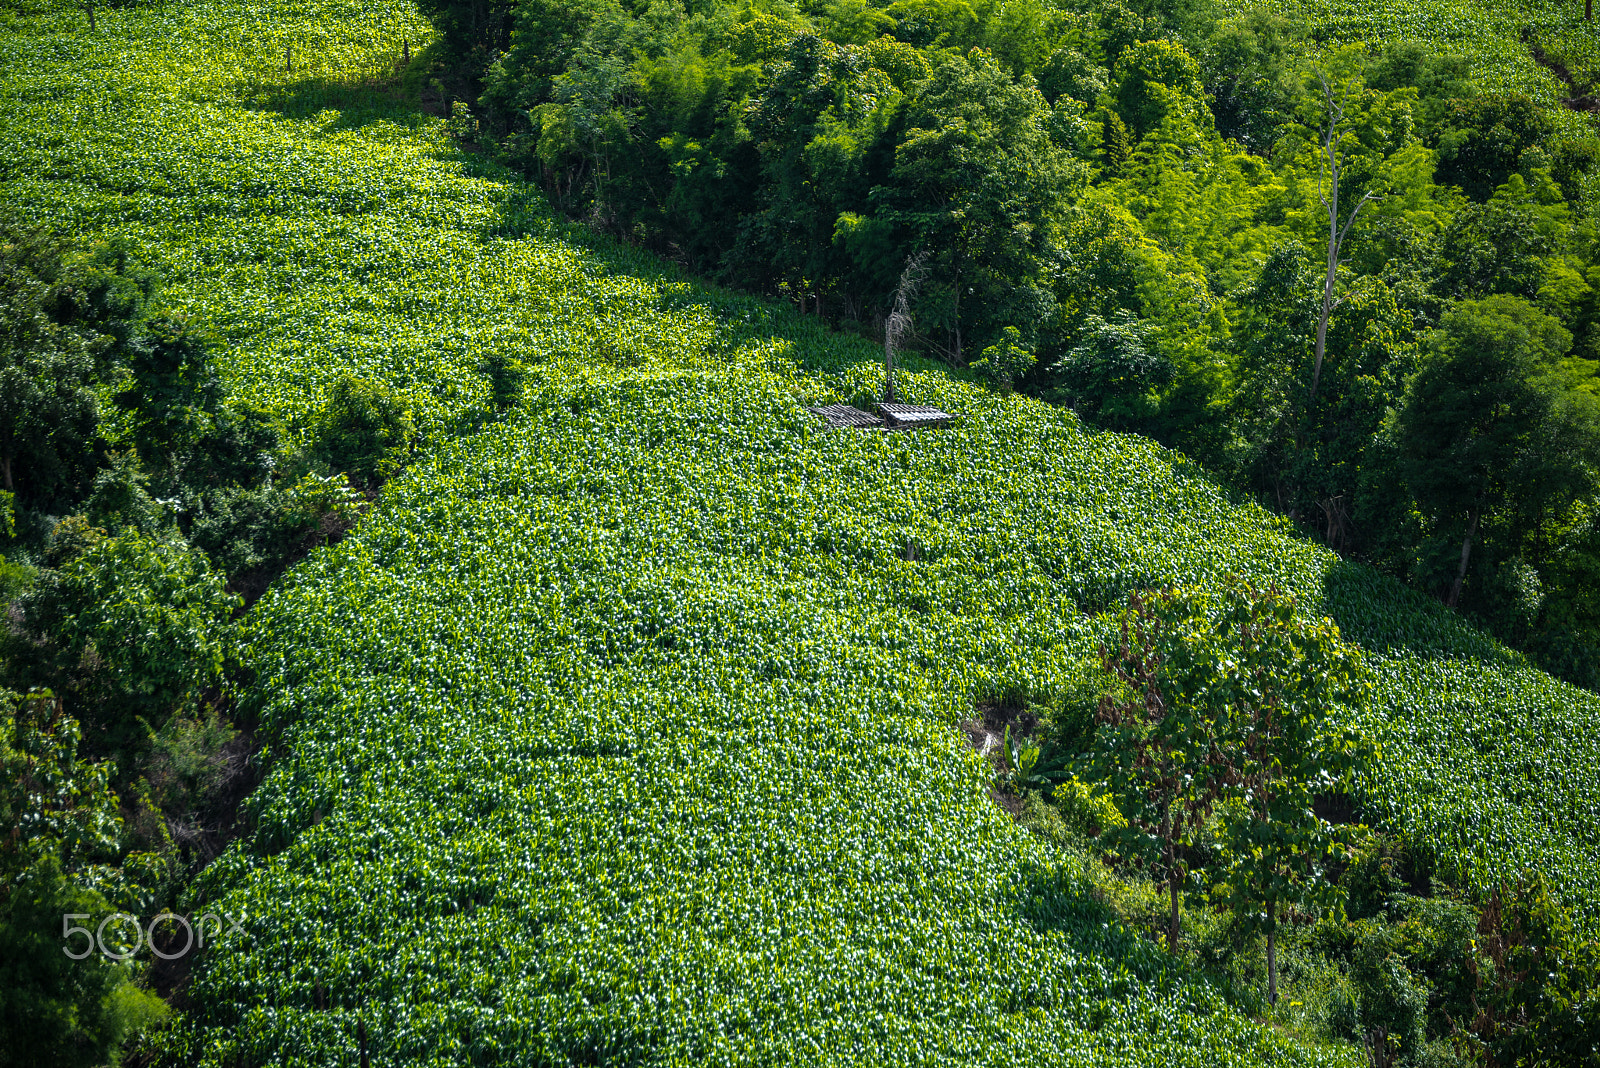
pixel 438 629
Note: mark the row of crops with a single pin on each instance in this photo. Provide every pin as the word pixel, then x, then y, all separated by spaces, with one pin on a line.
pixel 624 730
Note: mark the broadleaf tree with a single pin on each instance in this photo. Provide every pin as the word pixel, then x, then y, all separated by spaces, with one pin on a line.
pixel 1293 686
pixel 1493 427
pixel 1225 696
pixel 1164 742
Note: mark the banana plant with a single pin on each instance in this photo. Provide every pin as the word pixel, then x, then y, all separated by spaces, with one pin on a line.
pixel 1022 757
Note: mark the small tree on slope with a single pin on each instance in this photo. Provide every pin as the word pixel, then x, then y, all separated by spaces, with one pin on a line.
pixel 1164 755
pixel 1223 696
pixel 1286 676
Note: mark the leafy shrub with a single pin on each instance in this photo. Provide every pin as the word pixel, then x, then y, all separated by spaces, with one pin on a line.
pixel 462 126
pixel 1001 364
pixel 245 531
pixel 1022 760
pixel 184 763
pixel 364 429
pixel 69 539
pixel 147 620
pixel 237 445
pixel 1538 981
pixel 53 803
pixel 15 578
pixel 1085 809
pixel 118 500
pixel 56 1012
pixel 48 409
pixel 62 819
pixel 1481 140
pixel 1393 1012
pixel 171 386
pixel 241 529
pixel 1374 877
pixel 1111 375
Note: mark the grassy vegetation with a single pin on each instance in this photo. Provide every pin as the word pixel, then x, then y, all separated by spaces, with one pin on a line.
pixel 1490 33
pixel 624 729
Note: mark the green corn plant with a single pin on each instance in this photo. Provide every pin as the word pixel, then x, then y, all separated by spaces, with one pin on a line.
pixel 493 632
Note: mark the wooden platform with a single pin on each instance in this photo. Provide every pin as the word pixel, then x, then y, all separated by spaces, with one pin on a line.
pixel 842 415
pixel 890 417
pixel 905 416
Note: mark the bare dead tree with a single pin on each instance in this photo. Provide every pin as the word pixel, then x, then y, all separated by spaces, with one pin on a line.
pixel 899 321
pixel 1328 193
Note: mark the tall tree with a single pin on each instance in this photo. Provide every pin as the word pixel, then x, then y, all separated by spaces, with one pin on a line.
pixel 1165 740
pixel 59 1005
pixel 1292 684
pixel 48 409
pixel 977 183
pixel 1481 140
pixel 1249 66
pixel 1227 695
pixel 1155 80
pixel 1112 375
pixel 1492 426
pixel 1335 104
pixel 825 127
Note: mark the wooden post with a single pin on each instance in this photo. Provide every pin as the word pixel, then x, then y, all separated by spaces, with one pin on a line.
pixel 1272 956
pixel 91 17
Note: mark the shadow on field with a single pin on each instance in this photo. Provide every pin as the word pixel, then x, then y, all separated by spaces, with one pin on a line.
pixel 525 212
pixel 1058 901
pixel 358 102
pixel 1383 615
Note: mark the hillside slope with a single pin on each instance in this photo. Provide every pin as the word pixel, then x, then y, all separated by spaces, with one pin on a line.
pixel 1490 32
pixel 624 730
